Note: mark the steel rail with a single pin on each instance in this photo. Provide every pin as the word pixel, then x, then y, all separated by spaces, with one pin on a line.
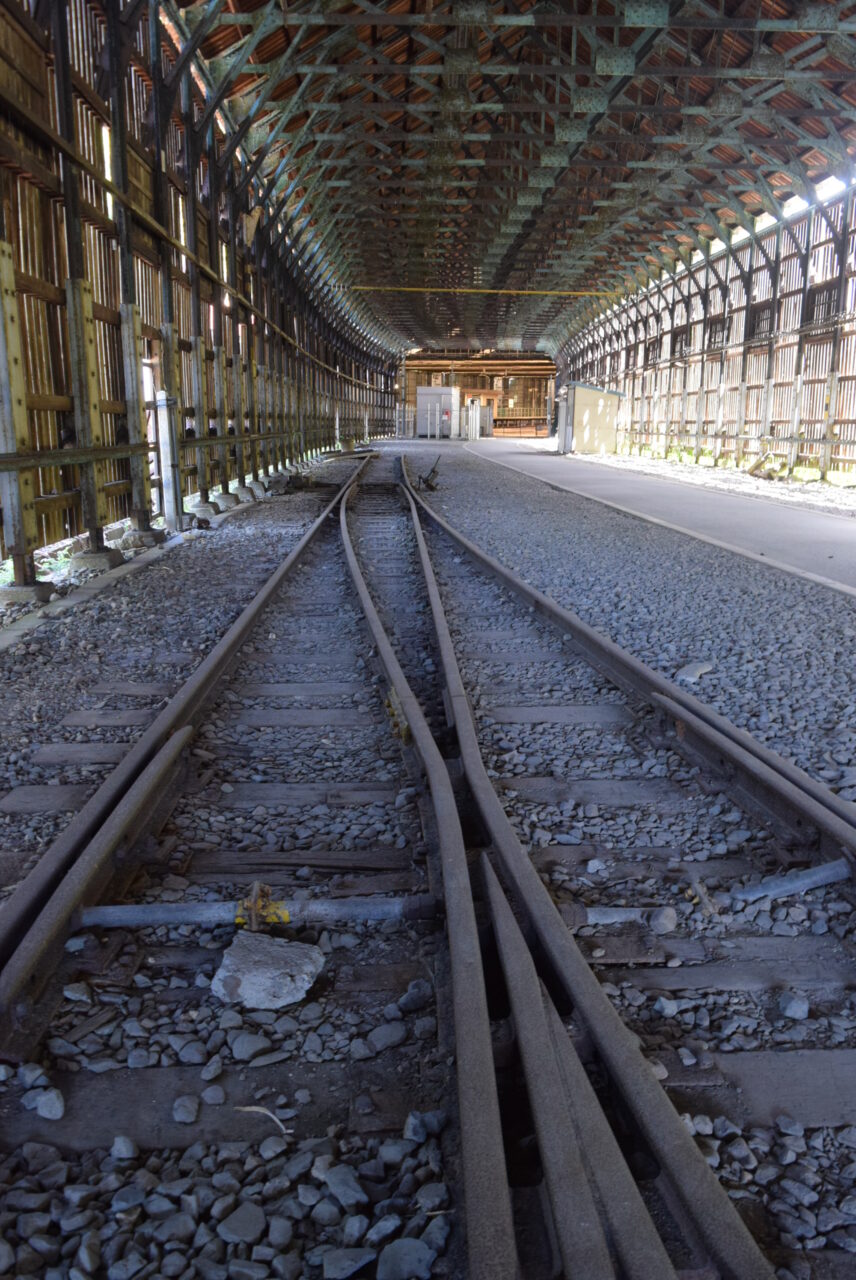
pixel 829 812
pixel 754 778
pixel 491 1245
pixel 705 1203
pixel 582 1245
pixel 639 1248
pixel 20 913
pixel 581 1158
pixel 91 871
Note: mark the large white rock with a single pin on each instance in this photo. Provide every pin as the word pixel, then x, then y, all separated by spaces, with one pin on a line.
pixel 694 671
pixel 261 972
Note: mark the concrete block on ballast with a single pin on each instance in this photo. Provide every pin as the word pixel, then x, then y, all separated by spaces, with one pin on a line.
pixel 38 591
pixel 100 560
pixel 204 511
pixel 226 501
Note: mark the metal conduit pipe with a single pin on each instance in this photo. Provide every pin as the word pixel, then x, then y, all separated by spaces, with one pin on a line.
pixel 365 910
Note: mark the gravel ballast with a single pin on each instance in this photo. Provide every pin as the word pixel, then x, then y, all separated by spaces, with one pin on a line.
pixel 780 648
pixel 152 627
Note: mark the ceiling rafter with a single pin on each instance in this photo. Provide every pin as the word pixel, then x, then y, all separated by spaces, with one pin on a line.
pixel 517 144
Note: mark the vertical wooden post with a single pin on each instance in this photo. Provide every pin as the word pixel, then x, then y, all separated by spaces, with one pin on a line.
pixel 135 409
pixel 270 406
pixel 262 406
pixel 767 402
pixel 799 370
pixel 81 326
pixel 702 384
pixel 170 378
pixel 748 288
pixel 301 384
pixel 720 391
pixel 198 342
pixel 132 344
pixel 222 420
pixel 236 371
pixel 286 392
pixel 830 408
pixel 87 406
pixel 199 392
pixel 214 192
pixel 17 488
pixel 169 460
pixel 251 411
pixel 173 508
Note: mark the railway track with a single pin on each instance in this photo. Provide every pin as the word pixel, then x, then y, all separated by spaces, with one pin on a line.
pixel 518 870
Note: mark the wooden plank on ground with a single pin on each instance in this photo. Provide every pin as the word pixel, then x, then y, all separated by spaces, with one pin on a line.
pixel 80 753
pixel 321 648
pixel 400 882
pixel 307 718
pixel 300 689
pixel 818 1086
pixel 136 1101
pixel 736 975
pixel 101 717
pixel 275 795
pixel 612 793
pixel 570 854
pixel 635 945
pixel 483 640
pixel 343 660
pixel 728 869
pixel 517 657
pixel 263 863
pixel 604 715
pixel 44 798
pixel 376 977
pixel 130 689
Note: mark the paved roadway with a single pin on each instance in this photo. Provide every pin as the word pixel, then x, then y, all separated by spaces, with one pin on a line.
pixel 817 544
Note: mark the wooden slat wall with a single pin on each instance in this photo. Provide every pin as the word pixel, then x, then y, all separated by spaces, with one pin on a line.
pixel 791 395
pixel 309 409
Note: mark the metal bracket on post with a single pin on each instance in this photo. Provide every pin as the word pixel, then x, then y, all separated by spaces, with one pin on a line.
pixel 170 470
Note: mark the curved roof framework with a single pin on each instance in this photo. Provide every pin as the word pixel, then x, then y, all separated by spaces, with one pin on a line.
pixel 567 149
